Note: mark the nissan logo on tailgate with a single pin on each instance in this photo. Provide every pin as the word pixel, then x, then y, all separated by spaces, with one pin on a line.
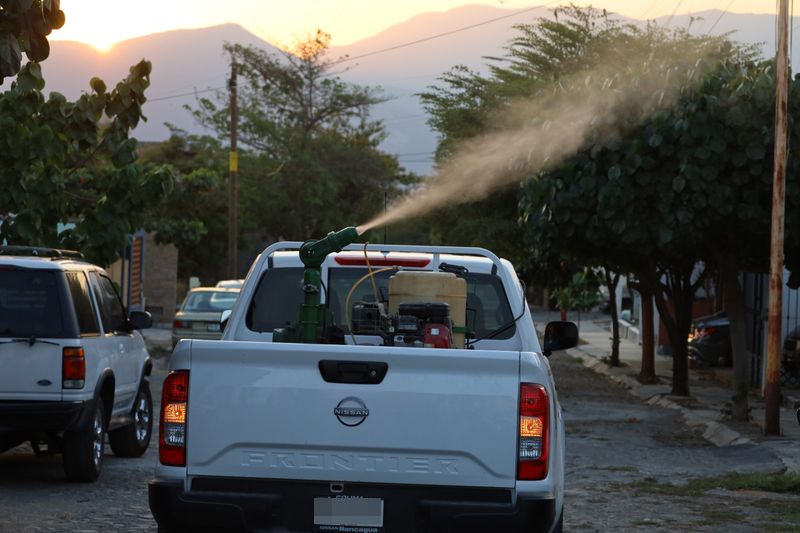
pixel 351 411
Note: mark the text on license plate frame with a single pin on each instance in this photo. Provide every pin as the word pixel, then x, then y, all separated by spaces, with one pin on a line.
pixel 348 512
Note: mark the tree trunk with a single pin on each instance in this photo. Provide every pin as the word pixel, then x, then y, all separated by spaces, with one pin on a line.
pixel 674 298
pixel 648 372
pixel 563 313
pixel 734 304
pixel 612 280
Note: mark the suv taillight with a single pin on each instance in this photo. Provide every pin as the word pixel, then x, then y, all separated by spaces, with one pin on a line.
pixel 172 431
pixel 534 421
pixel 73 368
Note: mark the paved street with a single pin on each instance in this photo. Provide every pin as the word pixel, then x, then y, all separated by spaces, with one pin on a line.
pixel 621 454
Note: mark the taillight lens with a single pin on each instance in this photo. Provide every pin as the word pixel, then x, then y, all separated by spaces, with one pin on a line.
pixel 181 324
pixel 534 422
pixel 172 430
pixel 73 368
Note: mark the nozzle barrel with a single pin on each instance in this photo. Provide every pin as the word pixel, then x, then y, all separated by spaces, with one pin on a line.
pixel 313 253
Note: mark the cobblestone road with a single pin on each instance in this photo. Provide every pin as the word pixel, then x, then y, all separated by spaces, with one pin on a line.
pixel 35 497
pixel 620 452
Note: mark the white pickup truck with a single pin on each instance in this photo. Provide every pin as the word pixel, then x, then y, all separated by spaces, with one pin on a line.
pixel 355 435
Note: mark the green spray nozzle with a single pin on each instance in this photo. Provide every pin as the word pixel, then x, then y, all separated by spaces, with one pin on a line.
pixel 313 253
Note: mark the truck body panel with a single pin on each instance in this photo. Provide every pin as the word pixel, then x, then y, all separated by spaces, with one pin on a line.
pixel 439 417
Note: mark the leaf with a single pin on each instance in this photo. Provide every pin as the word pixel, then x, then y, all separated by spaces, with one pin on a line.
pixel 98 85
pixel 655 140
pixel 678 183
pixel 10 55
pixel 614 172
pixel 755 151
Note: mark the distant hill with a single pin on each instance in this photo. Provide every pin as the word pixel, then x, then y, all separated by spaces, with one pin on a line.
pixel 192 60
pixel 183 61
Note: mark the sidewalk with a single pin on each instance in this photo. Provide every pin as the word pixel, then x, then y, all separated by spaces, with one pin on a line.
pixel 708 404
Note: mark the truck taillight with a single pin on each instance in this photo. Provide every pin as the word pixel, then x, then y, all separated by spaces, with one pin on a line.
pixel 172 430
pixel 73 368
pixel 534 421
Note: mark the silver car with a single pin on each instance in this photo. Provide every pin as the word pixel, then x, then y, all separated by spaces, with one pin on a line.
pixel 199 315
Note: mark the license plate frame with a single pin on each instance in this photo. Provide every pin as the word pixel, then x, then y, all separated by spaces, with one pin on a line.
pixel 330 514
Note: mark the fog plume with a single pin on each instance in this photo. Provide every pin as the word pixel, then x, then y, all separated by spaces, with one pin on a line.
pixel 530 135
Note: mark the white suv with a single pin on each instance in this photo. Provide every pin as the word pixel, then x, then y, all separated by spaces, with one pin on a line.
pixel 74 366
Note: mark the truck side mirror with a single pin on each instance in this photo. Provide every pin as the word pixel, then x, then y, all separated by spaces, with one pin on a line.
pixel 559 335
pixel 140 320
pixel 223 319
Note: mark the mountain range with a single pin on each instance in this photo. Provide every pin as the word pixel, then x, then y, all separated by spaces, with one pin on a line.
pixel 403 60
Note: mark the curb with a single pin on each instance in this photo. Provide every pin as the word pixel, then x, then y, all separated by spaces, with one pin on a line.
pixel 714 432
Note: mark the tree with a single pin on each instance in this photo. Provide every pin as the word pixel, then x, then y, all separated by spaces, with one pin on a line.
pixel 616 202
pixel 61 165
pixel 24 27
pixel 320 166
pixel 194 215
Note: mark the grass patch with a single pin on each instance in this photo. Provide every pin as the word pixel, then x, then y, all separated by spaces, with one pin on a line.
pixel 616 468
pixel 776 482
pixel 713 517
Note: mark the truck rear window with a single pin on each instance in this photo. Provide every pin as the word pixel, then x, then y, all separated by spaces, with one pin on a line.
pixel 279 295
pixel 276 300
pixel 29 304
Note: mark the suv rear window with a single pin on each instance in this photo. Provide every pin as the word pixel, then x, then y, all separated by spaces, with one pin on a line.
pixel 29 304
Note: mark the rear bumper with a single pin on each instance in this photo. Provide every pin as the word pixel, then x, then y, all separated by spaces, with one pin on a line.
pixel 18 416
pixel 265 505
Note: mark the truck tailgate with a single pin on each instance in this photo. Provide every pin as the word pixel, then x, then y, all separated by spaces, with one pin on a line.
pixel 439 417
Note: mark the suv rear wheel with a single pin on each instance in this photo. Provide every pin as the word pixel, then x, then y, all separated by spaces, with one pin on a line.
pixel 132 440
pixel 83 449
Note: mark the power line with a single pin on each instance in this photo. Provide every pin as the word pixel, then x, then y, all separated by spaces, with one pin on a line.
pixel 444 34
pixel 396 47
pixel 649 9
pixel 720 17
pixel 186 94
pixel 669 20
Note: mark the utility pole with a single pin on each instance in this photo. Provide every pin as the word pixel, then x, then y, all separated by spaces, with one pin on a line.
pixel 772 423
pixel 232 192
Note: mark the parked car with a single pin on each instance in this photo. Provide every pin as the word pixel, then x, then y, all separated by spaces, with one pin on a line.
pixel 199 315
pixel 710 341
pixel 230 283
pixel 73 365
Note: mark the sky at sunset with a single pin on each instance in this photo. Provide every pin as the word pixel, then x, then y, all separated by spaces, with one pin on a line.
pixel 102 23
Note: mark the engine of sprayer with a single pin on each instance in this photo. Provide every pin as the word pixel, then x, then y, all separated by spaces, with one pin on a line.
pixel 424 309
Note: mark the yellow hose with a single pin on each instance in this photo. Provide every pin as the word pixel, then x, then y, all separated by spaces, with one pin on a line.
pixel 369 274
pixel 371 277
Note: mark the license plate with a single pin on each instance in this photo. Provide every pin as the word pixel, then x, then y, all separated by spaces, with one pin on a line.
pixel 331 513
pixel 213 327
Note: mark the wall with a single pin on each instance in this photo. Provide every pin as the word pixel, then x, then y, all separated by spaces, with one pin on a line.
pixel 160 280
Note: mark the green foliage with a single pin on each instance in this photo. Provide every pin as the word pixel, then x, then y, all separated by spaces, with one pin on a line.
pixel 311 162
pixel 582 293
pixel 24 27
pixel 73 163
